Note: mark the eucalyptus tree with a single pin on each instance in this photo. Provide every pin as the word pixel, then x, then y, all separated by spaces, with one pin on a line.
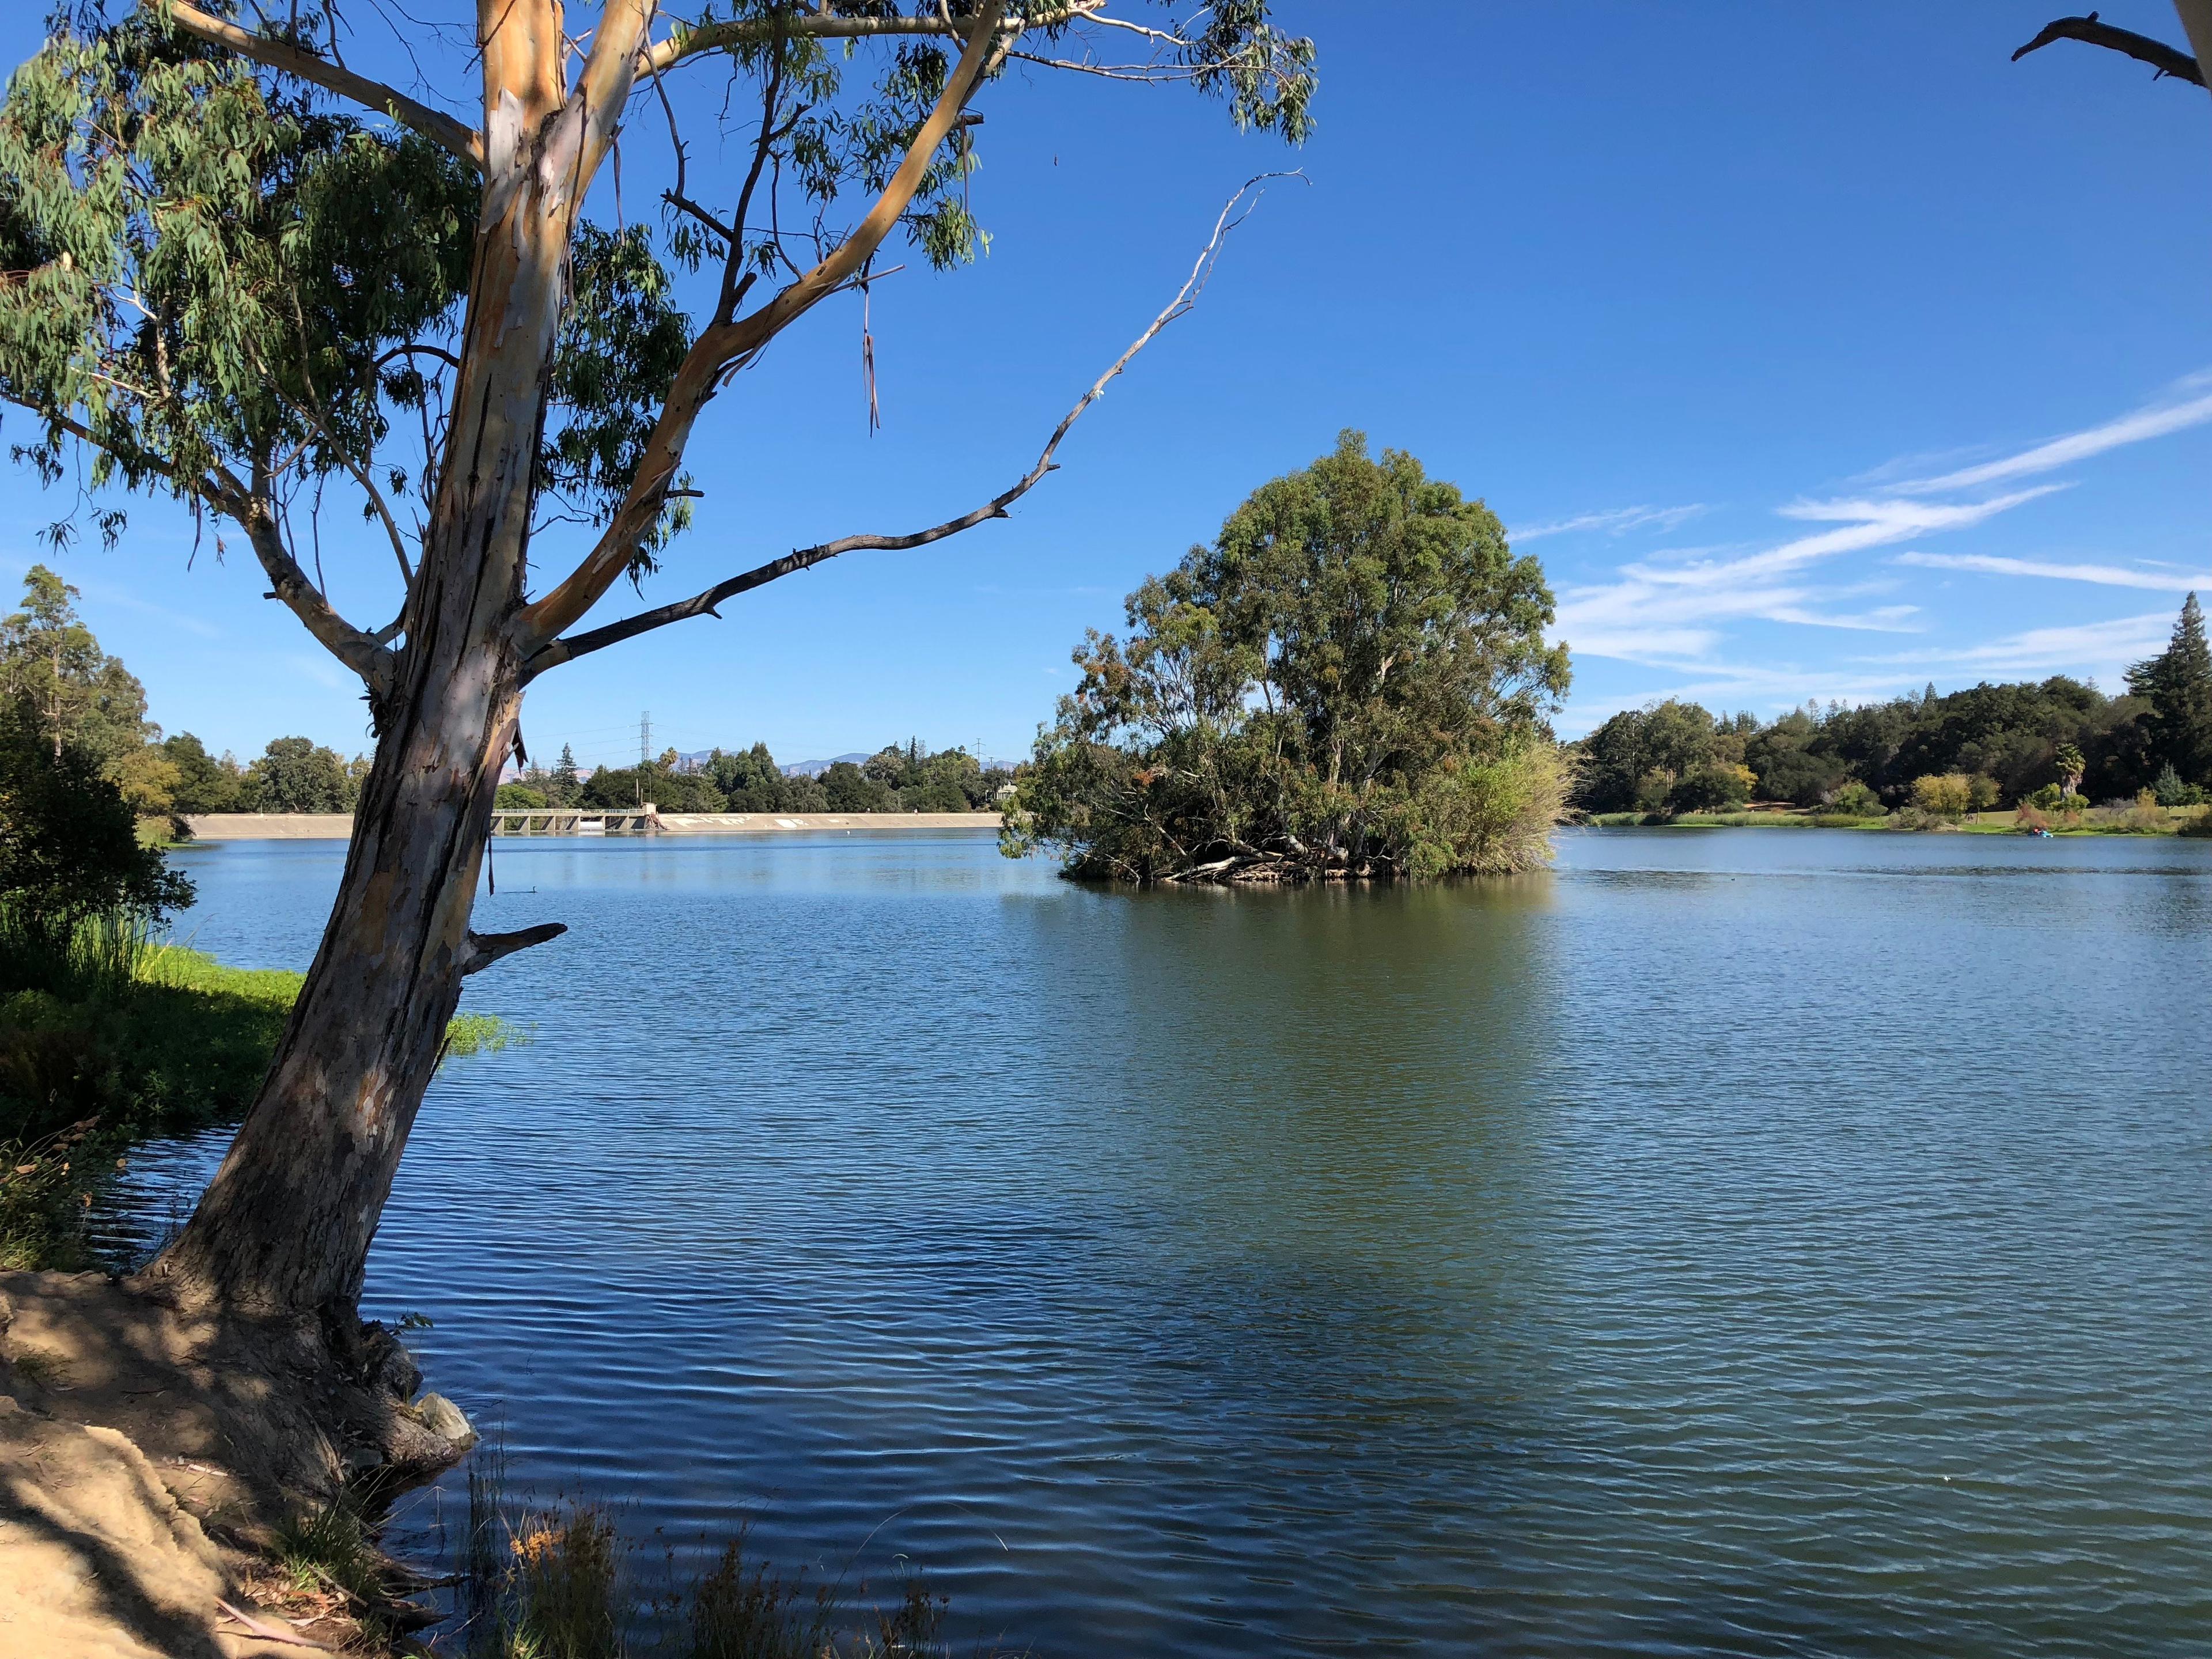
pixel 243 272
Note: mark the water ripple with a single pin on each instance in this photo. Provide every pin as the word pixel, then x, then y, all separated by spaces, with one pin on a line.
pixel 1734 1243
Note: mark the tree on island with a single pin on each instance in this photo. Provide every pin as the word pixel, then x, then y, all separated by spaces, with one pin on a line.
pixel 223 287
pixel 1352 682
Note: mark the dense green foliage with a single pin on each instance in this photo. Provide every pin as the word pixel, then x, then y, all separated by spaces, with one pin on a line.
pixel 68 845
pixel 214 277
pixel 1352 681
pixel 2057 735
pixel 81 700
pixel 296 775
pixel 139 1034
pixel 83 696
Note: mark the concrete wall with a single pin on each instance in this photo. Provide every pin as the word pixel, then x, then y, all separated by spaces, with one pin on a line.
pixel 271 826
pixel 336 826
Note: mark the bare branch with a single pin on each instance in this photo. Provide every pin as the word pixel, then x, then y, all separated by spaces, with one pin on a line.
pixel 418 348
pixel 1142 74
pixel 561 651
pixel 723 347
pixel 433 124
pixel 2167 60
pixel 736 282
pixel 252 511
pixel 482 950
pixel 361 473
pixel 824 26
pixel 358 651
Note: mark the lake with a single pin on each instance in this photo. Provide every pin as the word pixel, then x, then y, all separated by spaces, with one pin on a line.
pixel 1736 1241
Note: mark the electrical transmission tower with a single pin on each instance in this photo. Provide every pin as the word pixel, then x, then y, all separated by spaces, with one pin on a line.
pixel 645 738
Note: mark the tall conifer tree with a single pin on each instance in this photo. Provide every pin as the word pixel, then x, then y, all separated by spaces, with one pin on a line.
pixel 2179 683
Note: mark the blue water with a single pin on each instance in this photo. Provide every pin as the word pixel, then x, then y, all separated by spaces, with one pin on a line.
pixel 1748 1242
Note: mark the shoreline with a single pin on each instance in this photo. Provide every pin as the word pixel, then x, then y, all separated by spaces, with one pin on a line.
pixel 1978 824
pixel 338 826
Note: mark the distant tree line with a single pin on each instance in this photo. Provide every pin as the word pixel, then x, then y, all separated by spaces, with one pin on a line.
pixel 898 778
pixel 1991 745
pixel 54 674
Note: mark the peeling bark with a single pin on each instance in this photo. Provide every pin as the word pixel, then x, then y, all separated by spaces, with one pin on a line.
pixel 286 1222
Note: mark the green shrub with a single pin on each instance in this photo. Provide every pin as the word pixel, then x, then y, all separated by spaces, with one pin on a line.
pixel 1710 787
pixel 1944 795
pixel 68 852
pixel 1854 800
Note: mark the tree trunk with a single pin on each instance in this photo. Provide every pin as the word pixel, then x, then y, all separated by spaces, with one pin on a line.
pixel 2196 23
pixel 286 1224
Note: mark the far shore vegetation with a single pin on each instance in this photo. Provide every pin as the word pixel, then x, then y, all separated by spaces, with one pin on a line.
pixel 2055 756
pixel 49 656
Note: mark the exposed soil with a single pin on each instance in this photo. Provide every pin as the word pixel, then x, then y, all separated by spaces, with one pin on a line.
pixel 149 1453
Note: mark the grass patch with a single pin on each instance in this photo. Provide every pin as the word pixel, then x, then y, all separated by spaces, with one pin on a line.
pixel 481 1034
pixel 111 1036
pixel 330 1549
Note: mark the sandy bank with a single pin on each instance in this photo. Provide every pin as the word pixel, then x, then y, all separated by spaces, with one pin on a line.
pixel 147 1454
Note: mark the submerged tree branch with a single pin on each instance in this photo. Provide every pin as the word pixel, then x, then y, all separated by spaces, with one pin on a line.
pixel 433 124
pixel 565 650
pixel 2167 60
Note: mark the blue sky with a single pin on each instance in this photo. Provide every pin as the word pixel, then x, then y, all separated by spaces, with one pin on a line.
pixel 1817 352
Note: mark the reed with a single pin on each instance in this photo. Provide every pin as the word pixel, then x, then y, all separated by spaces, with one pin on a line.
pixel 560 1583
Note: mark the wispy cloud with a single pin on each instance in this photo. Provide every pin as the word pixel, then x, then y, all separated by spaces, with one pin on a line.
pixel 1684 604
pixel 1678 612
pixel 109 594
pixel 321 670
pixel 2103 647
pixel 1617 522
pixel 2153 420
pixel 2104 575
pixel 1860 525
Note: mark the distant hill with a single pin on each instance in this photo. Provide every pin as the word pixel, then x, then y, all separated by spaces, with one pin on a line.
pixel 816 768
